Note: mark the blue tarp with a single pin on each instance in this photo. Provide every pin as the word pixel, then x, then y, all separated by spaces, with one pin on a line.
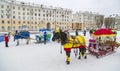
pixel 23 34
pixel 1 38
pixel 44 29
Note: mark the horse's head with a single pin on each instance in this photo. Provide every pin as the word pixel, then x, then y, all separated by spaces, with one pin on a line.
pixel 56 36
pixel 60 35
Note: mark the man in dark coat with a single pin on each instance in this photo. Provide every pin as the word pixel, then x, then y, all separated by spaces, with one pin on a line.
pixel 45 34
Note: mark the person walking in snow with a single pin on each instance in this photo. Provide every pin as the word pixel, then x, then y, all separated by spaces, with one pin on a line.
pixel 6 38
pixel 84 32
pixel 45 34
pixel 76 32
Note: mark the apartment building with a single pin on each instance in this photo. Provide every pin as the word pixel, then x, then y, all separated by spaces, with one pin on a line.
pixel 15 15
pixel 113 21
pixel 87 20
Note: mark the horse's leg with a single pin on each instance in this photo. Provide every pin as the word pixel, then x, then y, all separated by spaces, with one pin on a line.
pixel 68 57
pixel 27 42
pixel 84 53
pixel 80 53
pixel 17 42
pixel 76 52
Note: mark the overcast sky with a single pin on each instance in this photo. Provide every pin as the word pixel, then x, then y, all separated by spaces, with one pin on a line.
pixel 105 7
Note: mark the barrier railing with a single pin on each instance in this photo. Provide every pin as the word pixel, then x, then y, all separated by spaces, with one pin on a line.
pixel 1 38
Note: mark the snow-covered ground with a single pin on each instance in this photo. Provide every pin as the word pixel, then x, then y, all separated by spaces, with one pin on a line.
pixel 41 57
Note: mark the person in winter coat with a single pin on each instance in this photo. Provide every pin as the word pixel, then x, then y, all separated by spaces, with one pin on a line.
pixel 91 31
pixel 45 34
pixel 84 32
pixel 76 32
pixel 6 40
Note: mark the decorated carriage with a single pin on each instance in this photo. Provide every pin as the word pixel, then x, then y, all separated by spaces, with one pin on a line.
pixel 102 42
pixel 43 33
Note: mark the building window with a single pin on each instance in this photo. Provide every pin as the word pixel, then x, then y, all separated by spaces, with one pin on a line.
pixel 32 27
pixel 19 17
pixel 43 15
pixel 13 7
pixel 18 8
pixel 19 28
pixel 8 28
pixel 27 13
pixel 19 22
pixel 3 28
pixel 13 22
pixel 7 6
pixel 35 27
pixel 28 27
pixel 14 28
pixel 2 16
pixel 2 11
pixel 18 13
pixel 2 21
pixel 13 17
pixel 43 10
pixel 23 17
pixel 8 22
pixel 39 14
pixel 23 9
pixel 8 17
pixel 27 9
pixel 35 14
pixel 2 6
pixel 23 13
pixel 13 12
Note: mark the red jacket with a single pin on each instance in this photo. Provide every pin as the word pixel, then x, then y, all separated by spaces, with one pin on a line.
pixel 6 38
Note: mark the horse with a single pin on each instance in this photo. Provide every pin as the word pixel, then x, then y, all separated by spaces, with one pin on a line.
pixel 22 35
pixel 71 42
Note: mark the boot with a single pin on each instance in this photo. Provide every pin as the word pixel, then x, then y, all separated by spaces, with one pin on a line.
pixel 85 57
pixel 79 57
pixel 68 62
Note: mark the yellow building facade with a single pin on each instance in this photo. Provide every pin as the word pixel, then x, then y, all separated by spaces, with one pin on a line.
pixel 16 15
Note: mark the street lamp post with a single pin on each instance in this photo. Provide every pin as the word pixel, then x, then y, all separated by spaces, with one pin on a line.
pixel 55 17
pixel 11 6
